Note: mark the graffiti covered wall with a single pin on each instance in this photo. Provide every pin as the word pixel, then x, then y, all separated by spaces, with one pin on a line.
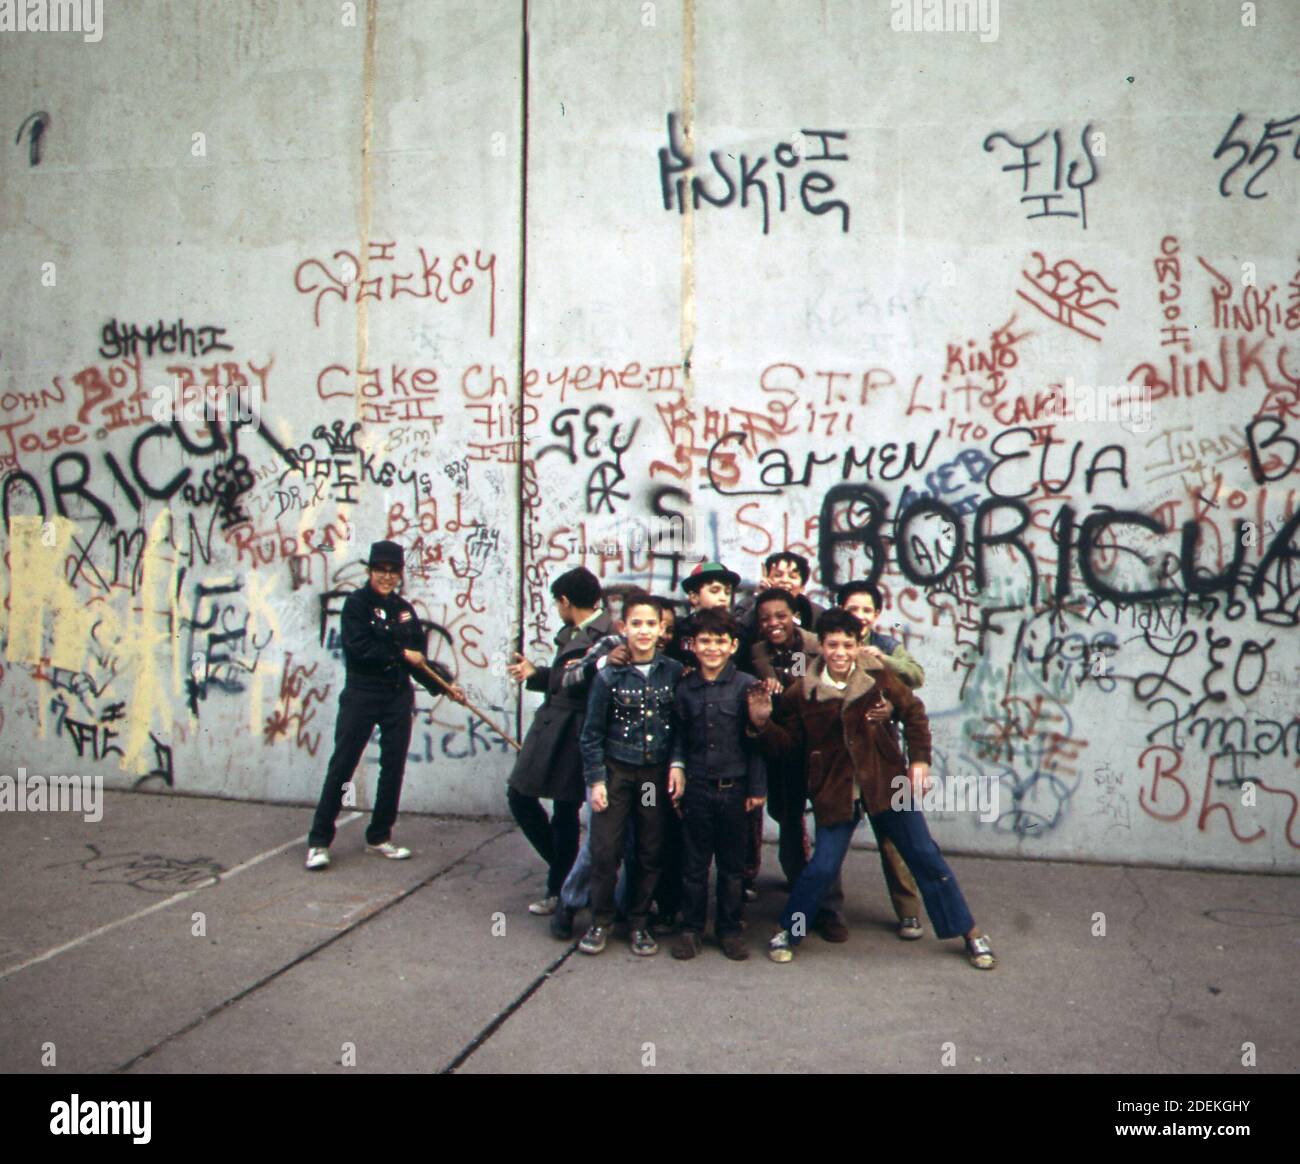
pixel 1001 313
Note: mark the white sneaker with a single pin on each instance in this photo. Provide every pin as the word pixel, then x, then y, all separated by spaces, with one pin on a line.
pixel 318 858
pixel 545 907
pixel 391 851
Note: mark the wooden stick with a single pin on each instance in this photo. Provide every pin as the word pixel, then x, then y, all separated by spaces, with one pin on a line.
pixel 438 679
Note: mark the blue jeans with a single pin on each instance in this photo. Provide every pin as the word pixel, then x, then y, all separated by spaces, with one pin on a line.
pixel 575 893
pixel 829 850
pixel 907 829
pixel 943 898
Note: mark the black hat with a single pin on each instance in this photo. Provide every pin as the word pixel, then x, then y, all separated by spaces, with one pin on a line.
pixel 386 554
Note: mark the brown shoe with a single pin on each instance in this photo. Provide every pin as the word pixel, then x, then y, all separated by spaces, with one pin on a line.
pixel 832 928
pixel 687 945
pixel 733 946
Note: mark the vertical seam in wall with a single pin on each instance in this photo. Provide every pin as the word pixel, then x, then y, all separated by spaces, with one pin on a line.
pixel 367 197
pixel 520 524
pixel 688 217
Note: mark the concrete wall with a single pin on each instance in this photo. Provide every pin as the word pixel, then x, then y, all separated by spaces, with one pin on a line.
pixel 897 267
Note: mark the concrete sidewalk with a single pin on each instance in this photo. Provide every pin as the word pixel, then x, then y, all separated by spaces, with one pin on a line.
pixel 183 935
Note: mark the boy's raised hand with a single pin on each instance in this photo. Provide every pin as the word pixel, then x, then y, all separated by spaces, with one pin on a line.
pixel 919 774
pixel 760 704
pixel 753 802
pixel 599 797
pixel 620 656
pixel 521 669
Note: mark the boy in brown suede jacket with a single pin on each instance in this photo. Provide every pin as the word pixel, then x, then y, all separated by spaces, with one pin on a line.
pixel 785 651
pixel 838 717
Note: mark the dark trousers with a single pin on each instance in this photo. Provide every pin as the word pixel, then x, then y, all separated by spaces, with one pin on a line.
pixel 360 711
pixel 753 845
pixel 639 792
pixel 715 826
pixel 555 837
pixel 668 893
pixel 787 797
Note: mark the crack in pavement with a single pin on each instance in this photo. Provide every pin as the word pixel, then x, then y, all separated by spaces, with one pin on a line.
pixel 1169 998
pixel 501 1019
pixel 316 949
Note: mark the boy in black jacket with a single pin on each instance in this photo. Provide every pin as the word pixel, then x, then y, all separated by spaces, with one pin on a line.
pixel 724 780
pixel 549 766
pixel 383 649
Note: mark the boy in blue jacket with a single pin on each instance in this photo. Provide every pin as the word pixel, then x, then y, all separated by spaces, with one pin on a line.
pixel 626 742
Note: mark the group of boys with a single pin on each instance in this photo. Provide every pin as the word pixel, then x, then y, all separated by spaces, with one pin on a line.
pixel 676 748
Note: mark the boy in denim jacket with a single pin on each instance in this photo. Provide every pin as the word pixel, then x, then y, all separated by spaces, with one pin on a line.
pixel 626 742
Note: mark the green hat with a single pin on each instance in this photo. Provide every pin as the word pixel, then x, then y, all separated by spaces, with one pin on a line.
pixel 709 572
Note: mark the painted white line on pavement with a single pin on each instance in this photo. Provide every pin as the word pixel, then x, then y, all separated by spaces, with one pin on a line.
pixel 175 897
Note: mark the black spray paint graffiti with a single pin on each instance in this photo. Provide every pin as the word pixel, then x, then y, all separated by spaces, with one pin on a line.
pixel 34 125
pixel 92 739
pixel 854 518
pixel 221 650
pixel 224 483
pixel 1044 193
pixel 71 473
pixel 787 155
pixel 776 471
pixel 599 435
pixel 148 872
pixel 162 765
pixel 120 339
pixel 344 467
pixel 1264 148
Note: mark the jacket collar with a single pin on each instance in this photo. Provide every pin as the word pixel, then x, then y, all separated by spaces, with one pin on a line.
pixel 597 625
pixel 696 677
pixel 659 661
pixel 813 689
pixel 804 641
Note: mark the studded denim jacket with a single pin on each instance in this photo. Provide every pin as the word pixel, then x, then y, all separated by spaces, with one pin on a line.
pixel 629 717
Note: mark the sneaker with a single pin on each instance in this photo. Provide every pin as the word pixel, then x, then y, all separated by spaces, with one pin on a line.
pixel 545 907
pixel 831 927
pixel 318 858
pixel 391 851
pixel 562 923
pixel 643 944
pixel 688 944
pixel 733 946
pixel 980 952
pixel 593 941
pixel 909 929
pixel 781 947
